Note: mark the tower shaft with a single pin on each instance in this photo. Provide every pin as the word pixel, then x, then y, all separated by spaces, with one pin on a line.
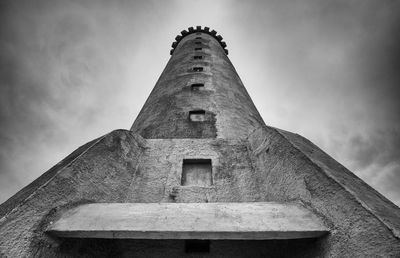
pixel 198 78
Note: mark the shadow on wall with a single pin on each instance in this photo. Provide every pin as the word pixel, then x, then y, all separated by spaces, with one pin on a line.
pixel 182 248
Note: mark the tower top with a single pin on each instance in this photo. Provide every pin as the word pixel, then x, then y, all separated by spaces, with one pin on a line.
pixel 198 29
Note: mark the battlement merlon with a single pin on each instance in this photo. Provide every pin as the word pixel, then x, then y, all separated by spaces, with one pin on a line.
pixel 192 30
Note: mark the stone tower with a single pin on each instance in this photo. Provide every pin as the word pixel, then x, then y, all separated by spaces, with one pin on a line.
pixel 199 175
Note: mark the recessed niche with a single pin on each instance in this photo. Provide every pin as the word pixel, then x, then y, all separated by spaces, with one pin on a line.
pixel 198 57
pixel 197 42
pixel 197 69
pixel 196 172
pixel 197 115
pixel 197 86
pixel 198 37
pixel 198 48
pixel 197 246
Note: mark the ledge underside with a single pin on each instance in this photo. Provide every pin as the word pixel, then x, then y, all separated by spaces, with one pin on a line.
pixel 189 221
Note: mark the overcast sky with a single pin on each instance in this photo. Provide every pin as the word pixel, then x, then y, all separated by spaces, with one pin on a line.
pixel 71 71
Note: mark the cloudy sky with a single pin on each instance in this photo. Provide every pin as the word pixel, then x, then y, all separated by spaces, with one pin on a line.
pixel 71 71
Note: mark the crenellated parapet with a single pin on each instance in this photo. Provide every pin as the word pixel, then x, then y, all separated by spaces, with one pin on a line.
pixel 192 30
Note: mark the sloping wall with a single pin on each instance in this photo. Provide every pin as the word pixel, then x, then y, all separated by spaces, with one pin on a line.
pixel 363 222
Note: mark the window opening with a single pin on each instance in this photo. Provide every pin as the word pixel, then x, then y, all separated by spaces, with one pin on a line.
pixel 197 69
pixel 197 42
pixel 196 172
pixel 197 115
pixel 197 86
pixel 198 57
pixel 198 38
pixel 198 48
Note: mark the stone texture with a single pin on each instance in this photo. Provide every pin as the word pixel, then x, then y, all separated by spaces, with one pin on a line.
pixel 102 172
pixel 255 220
pixel 165 113
pixel 290 174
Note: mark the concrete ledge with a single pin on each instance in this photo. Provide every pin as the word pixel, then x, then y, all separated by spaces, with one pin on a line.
pixel 189 221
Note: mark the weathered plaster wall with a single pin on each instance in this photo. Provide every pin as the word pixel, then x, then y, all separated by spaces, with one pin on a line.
pixel 288 171
pixel 123 167
pixel 100 172
pixel 158 176
pixel 165 113
pixel 15 200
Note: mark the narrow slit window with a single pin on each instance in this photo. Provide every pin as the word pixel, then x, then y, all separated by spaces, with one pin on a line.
pixel 197 246
pixel 197 86
pixel 197 69
pixel 198 37
pixel 196 172
pixel 198 48
pixel 198 57
pixel 197 115
pixel 197 42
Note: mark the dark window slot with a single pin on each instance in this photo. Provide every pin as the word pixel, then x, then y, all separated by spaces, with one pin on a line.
pixel 198 43
pixel 198 48
pixel 198 37
pixel 198 57
pixel 197 115
pixel 197 69
pixel 197 86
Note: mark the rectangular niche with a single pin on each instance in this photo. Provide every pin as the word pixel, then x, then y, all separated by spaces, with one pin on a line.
pixel 196 172
pixel 197 115
pixel 197 69
pixel 197 86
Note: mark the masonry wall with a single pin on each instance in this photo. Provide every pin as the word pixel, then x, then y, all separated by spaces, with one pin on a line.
pixel 99 172
pixel 292 168
pixel 229 109
pixel 124 167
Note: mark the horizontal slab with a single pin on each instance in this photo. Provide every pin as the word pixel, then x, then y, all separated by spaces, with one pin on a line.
pixel 258 220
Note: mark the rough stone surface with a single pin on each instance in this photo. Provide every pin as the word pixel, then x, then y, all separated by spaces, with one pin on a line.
pixel 251 162
pixel 166 111
pixel 290 174
pixel 255 220
pixel 102 172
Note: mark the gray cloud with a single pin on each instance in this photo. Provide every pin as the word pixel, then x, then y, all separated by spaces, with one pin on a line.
pixel 66 77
